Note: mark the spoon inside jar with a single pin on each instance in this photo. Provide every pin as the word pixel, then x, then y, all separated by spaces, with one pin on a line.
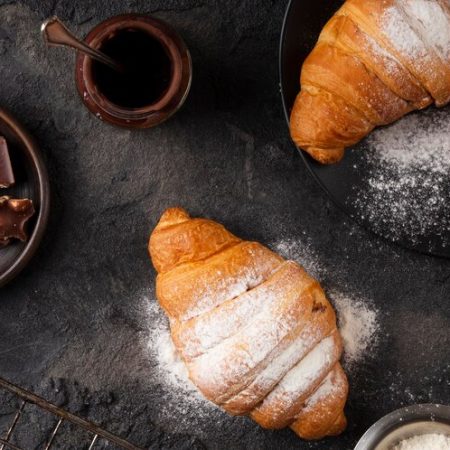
pixel 55 33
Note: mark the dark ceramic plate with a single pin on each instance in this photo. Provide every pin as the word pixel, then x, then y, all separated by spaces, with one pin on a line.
pixel 347 181
pixel 31 182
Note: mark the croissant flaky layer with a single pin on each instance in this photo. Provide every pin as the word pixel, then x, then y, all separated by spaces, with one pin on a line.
pixel 256 332
pixel 374 62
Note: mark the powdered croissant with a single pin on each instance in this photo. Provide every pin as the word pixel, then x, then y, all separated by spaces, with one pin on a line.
pixel 374 62
pixel 256 332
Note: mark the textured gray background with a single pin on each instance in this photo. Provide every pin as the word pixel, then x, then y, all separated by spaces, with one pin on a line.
pixel 72 326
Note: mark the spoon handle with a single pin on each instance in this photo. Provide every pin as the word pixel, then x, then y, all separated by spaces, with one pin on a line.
pixel 55 33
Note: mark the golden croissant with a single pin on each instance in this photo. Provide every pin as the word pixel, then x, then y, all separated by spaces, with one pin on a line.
pixel 374 62
pixel 255 331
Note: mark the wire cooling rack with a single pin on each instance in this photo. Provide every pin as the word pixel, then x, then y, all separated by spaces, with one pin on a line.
pixel 96 434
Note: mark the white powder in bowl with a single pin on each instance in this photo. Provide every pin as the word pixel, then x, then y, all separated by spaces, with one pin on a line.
pixel 425 442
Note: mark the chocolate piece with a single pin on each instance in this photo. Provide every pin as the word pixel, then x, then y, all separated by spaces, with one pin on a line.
pixel 14 214
pixel 6 172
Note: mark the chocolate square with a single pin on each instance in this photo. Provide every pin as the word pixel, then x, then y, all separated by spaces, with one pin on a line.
pixel 6 171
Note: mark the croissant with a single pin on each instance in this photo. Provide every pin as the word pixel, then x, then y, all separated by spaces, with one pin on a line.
pixel 374 62
pixel 255 331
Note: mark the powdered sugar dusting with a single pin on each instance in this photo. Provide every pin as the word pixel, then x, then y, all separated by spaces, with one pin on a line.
pixel 359 327
pixel 256 263
pixel 305 373
pixel 184 400
pixel 205 331
pixel 432 441
pixel 324 390
pixel 300 251
pixel 420 140
pixel 389 63
pixel 173 368
pixel 329 386
pixel 357 318
pixel 408 190
pixel 418 31
pixel 303 377
pixel 433 22
pixel 233 360
pixel 287 359
pixel 401 35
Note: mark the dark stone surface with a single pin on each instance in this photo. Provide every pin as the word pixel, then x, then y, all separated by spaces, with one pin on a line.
pixel 72 326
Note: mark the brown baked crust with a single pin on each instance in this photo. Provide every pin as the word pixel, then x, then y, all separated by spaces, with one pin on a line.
pixel 358 77
pixel 256 332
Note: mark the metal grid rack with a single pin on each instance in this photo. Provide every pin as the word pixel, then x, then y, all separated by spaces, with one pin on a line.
pixel 61 416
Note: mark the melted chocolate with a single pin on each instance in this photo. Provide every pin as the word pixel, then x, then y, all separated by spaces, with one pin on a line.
pixel 6 172
pixel 14 215
pixel 147 74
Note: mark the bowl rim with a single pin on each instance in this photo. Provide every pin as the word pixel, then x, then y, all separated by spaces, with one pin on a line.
pixel 33 154
pixel 427 412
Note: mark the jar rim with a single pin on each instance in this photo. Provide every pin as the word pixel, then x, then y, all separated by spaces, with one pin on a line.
pixel 173 45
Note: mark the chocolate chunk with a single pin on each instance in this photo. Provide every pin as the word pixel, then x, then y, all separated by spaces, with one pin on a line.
pixel 14 214
pixel 6 172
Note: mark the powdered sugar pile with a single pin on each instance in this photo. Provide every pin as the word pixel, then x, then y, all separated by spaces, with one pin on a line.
pixel 359 327
pixel 420 140
pixel 425 442
pixel 407 195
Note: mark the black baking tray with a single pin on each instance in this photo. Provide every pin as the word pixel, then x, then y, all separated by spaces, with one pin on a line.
pixel 304 19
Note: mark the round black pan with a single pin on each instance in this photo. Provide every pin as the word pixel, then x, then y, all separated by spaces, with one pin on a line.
pixel 303 22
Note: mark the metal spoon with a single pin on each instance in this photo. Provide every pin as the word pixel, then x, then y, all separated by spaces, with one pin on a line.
pixel 55 33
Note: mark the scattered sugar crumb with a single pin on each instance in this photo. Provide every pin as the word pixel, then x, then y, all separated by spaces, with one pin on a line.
pixel 359 327
pixel 301 252
pixel 407 192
